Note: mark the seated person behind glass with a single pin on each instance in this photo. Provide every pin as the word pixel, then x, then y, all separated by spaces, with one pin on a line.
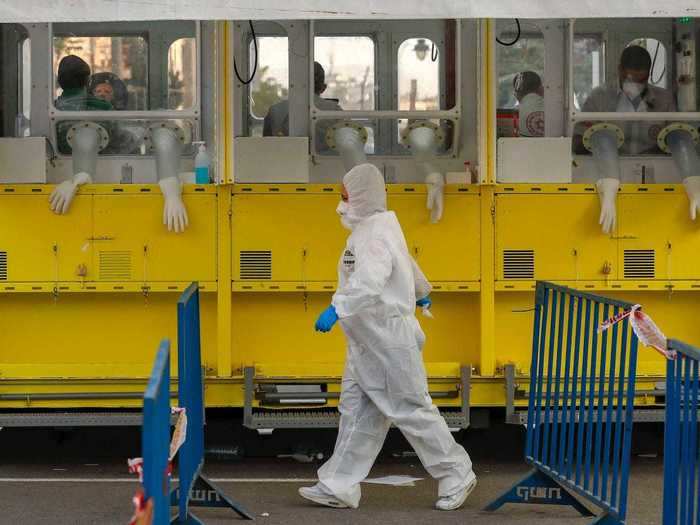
pixel 529 91
pixel 110 88
pixel 277 119
pixel 632 94
pixel 73 75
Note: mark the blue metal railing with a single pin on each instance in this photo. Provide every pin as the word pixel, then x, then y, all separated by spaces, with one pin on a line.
pixel 194 489
pixel 155 437
pixel 581 404
pixel 681 463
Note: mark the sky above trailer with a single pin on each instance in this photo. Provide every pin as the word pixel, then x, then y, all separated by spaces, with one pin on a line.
pixel 114 10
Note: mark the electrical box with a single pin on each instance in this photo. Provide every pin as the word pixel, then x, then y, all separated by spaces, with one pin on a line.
pixel 23 160
pixel 548 160
pixel 271 159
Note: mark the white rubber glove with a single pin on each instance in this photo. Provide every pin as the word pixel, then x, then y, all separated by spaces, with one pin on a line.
pixel 62 196
pixel 174 212
pixel 607 191
pixel 436 192
pixel 692 188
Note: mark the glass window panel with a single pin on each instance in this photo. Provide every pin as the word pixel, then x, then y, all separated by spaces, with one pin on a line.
pixel 419 75
pixel 348 63
pixel 182 73
pixel 269 88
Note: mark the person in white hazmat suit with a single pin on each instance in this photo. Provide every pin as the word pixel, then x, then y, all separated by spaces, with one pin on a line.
pixel 384 381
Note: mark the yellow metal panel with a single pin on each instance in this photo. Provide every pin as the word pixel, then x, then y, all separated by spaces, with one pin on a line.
pixel 132 244
pixel 82 335
pixel 223 307
pixel 487 358
pixel 303 233
pixel 305 236
pixel 448 250
pixel 562 230
pixel 279 328
pixel 43 246
pixel 661 222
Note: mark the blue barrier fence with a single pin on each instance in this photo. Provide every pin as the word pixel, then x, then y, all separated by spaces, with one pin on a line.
pixel 155 436
pixel 194 489
pixel 581 404
pixel 681 476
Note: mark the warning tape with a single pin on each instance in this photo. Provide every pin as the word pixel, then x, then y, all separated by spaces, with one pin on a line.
pixel 135 465
pixel 644 328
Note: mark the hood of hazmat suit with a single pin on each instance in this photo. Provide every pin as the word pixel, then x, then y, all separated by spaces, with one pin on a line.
pixel 384 381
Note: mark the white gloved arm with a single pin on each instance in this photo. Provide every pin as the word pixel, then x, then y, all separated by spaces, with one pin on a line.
pixel 436 195
pixel 174 212
pixel 423 286
pixel 692 188
pixel 363 289
pixel 62 196
pixel 607 192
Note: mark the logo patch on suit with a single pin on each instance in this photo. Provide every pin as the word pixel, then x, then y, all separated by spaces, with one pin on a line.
pixel 349 261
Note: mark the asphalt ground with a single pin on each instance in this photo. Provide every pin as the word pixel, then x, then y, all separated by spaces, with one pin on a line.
pixel 80 477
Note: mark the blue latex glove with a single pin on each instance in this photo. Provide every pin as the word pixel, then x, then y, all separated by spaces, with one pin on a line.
pixel 326 320
pixel 426 302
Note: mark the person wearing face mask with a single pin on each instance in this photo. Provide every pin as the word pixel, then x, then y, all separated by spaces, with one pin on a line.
pixel 384 381
pixel 632 94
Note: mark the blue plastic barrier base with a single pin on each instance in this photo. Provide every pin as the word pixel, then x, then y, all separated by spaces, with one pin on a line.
pixel 539 489
pixel 206 494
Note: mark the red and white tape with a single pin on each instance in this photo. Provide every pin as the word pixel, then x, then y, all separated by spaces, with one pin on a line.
pixel 645 329
pixel 135 465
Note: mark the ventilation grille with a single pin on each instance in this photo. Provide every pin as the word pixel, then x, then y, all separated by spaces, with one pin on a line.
pixel 255 265
pixel 3 266
pixel 518 264
pixel 115 265
pixel 640 264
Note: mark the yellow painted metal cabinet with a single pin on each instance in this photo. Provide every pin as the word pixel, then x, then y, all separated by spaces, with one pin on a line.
pixel 552 236
pixel 37 245
pixel 132 244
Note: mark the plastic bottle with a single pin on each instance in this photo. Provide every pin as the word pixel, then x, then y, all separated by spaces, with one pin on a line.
pixel 202 164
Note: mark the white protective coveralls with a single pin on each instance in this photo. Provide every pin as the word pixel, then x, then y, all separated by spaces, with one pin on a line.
pixel 384 380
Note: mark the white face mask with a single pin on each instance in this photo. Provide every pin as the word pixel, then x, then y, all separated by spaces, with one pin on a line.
pixel 343 210
pixel 632 89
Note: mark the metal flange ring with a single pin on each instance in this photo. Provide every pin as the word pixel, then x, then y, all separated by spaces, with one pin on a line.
pixel 102 134
pixel 406 132
pixel 676 126
pixel 330 132
pixel 164 124
pixel 600 126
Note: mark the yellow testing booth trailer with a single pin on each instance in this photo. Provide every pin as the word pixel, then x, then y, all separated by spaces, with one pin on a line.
pixel 207 146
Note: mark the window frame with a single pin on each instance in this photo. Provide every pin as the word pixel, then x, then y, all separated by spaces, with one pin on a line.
pixel 383 116
pixel 122 29
pixel 371 123
pixel 147 114
pixel 575 116
pixel 375 59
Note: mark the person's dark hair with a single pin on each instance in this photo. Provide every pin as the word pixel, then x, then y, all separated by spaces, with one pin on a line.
pixel 319 79
pixel 526 82
pixel 121 95
pixel 73 72
pixel 636 58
